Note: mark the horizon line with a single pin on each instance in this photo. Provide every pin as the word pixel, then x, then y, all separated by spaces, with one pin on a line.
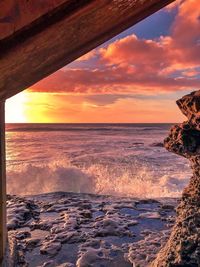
pixel 91 122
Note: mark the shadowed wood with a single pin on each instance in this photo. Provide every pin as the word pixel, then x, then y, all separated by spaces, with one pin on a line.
pixel 61 36
pixel 3 231
pixel 14 15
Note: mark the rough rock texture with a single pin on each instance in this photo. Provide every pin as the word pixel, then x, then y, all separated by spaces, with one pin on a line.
pixel 84 230
pixel 10 256
pixel 183 247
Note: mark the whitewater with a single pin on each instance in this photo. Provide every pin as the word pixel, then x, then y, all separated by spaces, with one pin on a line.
pixel 111 159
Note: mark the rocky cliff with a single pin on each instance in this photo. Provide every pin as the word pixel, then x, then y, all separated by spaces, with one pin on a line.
pixel 183 246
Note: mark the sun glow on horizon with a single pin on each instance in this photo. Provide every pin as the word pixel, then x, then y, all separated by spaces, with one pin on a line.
pixel 28 107
pixel 15 109
pixel 40 107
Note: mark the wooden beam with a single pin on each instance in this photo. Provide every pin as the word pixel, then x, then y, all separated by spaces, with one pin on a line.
pixel 62 36
pixel 15 15
pixel 3 228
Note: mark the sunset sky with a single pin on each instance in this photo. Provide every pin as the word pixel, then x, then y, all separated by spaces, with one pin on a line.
pixel 135 77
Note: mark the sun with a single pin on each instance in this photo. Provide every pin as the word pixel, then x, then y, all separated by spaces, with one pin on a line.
pixel 15 108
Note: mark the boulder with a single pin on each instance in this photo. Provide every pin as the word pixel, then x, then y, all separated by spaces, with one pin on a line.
pixel 183 246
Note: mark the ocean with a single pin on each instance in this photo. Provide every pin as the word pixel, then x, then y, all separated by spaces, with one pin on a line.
pixel 110 159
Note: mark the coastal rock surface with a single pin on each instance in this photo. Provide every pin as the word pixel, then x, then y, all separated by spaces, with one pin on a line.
pixel 183 246
pixel 82 230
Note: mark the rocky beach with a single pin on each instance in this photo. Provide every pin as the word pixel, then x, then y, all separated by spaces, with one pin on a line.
pixel 70 229
pixel 111 230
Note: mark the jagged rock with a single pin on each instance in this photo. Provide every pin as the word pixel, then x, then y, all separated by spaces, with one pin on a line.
pixel 190 107
pixel 183 246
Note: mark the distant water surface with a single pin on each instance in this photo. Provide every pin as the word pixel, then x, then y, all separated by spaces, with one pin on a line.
pixel 116 159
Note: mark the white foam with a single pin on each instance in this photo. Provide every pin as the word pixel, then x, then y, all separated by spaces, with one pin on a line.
pixel 139 180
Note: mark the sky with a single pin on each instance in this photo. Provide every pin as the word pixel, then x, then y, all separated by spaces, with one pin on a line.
pixel 135 77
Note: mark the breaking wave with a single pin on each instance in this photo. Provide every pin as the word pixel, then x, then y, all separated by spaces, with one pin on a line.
pixel 139 180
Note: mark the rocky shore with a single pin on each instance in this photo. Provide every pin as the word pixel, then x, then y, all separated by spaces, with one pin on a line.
pixel 82 230
pixel 183 247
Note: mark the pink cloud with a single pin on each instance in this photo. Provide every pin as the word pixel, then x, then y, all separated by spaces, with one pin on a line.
pixel 185 33
pixel 138 65
pixel 175 52
pixel 119 79
pixel 173 5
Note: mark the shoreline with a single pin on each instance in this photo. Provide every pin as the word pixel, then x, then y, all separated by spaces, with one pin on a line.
pixel 79 229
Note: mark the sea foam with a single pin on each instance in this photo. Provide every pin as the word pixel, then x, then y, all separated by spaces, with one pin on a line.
pixel 139 180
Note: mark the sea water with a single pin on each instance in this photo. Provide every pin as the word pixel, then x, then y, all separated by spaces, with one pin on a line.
pixel 116 159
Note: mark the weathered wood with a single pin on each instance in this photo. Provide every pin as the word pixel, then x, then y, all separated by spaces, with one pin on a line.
pixel 3 231
pixel 14 15
pixel 64 34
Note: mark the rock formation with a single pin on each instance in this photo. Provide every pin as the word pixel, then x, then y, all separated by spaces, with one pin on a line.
pixel 183 246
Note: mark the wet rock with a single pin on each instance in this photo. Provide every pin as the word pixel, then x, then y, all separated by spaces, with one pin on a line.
pixel 150 215
pixel 23 234
pixel 110 227
pixel 183 246
pixel 20 212
pixel 168 207
pixel 51 263
pixel 50 248
pixel 84 230
pixel 159 144
pixel 32 242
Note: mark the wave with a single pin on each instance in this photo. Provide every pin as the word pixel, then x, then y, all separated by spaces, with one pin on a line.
pixel 136 181
pixel 84 127
pixel 54 129
pixel 157 144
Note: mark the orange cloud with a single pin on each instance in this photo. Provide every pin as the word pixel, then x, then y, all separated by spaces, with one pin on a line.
pixel 136 65
pixel 176 52
pixel 186 35
pixel 119 79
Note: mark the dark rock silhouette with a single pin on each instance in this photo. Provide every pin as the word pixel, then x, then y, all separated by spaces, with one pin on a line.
pixel 183 246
